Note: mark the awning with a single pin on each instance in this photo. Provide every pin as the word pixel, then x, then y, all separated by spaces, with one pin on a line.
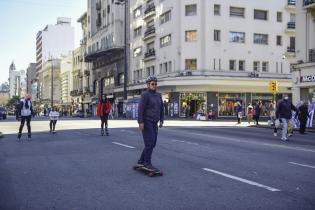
pixel 103 53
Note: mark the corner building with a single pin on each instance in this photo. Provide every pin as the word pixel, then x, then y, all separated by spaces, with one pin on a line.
pixel 211 53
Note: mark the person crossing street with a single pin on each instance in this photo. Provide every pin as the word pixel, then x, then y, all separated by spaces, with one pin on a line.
pixel 25 113
pixel 103 110
pixel 150 112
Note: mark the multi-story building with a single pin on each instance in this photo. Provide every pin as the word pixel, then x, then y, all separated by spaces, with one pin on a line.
pixel 53 42
pixel 66 82
pixel 31 84
pixel 17 81
pixel 303 73
pixel 211 53
pixel 105 50
pixel 50 85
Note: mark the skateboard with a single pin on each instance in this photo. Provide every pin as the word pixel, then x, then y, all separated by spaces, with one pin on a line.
pixel 106 132
pixel 147 172
pixel 52 132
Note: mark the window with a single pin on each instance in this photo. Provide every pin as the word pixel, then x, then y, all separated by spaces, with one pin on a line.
pixel 165 67
pixel 216 9
pixel 265 67
pixel 150 46
pixel 165 41
pixel 191 10
pixel 191 64
pixel 241 65
pixel 279 16
pixel 261 39
pixel 165 17
pixel 232 65
pixel 260 14
pixel 256 65
pixel 279 40
pixel 137 52
pixel 191 36
pixel 238 37
pixel 137 12
pixel 217 36
pixel 161 68
pixel 237 12
pixel 170 66
pixel 137 32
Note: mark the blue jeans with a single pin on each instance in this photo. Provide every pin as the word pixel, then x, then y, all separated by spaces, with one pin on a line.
pixel 284 127
pixel 149 134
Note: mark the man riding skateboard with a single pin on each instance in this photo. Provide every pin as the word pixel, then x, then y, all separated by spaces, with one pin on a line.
pixel 150 112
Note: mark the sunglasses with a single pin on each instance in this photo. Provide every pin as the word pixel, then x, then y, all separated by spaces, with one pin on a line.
pixel 153 84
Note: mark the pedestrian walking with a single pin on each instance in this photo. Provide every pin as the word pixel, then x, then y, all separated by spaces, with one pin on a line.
pixel 53 115
pixel 284 113
pixel 302 116
pixel 257 112
pixel 25 112
pixel 150 112
pixel 238 111
pixel 250 111
pixel 272 116
pixel 103 110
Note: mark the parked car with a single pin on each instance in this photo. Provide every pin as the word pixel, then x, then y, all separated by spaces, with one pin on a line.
pixel 78 113
pixel 3 113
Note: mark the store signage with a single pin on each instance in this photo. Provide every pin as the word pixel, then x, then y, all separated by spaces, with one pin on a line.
pixel 308 78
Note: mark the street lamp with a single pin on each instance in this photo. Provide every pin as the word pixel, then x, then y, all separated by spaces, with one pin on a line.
pixel 125 3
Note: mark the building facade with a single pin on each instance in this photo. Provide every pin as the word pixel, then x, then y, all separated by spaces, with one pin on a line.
pixel 17 81
pixel 66 83
pixel 303 73
pixel 105 52
pixel 50 85
pixel 211 54
pixel 31 82
pixel 53 42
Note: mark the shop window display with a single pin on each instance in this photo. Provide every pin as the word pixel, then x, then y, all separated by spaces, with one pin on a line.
pixel 192 103
pixel 227 103
pixel 266 102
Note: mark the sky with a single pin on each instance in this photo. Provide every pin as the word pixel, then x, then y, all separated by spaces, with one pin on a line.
pixel 20 21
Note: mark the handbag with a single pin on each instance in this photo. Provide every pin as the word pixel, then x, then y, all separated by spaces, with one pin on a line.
pixel 277 123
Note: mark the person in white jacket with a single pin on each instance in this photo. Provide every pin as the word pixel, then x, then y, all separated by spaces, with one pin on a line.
pixel 53 115
pixel 25 112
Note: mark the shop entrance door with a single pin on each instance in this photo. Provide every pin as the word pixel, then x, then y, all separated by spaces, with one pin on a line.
pixel 193 107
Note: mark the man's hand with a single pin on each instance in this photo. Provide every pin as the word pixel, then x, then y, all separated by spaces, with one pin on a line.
pixel 141 126
pixel 161 125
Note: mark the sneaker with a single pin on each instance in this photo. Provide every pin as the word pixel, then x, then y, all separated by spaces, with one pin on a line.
pixel 139 164
pixel 275 134
pixel 149 167
pixel 19 137
pixel 284 139
pixel 102 132
pixel 290 134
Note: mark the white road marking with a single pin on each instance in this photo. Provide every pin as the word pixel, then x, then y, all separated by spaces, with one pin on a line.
pixel 304 165
pixel 242 180
pixel 250 142
pixel 124 145
pixel 187 142
pixel 126 131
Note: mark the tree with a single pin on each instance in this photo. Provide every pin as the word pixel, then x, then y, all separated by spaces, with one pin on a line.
pixel 12 102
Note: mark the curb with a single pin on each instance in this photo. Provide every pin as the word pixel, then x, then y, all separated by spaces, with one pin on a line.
pixel 1 135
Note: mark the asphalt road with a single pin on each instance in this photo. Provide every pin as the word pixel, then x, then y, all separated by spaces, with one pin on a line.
pixel 206 165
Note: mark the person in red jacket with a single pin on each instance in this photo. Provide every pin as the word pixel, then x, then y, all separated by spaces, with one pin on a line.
pixel 103 110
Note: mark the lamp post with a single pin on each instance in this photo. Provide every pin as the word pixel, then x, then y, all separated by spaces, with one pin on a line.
pixel 125 3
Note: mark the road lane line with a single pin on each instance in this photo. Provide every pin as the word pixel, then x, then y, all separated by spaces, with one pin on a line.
pixel 242 180
pixel 250 142
pixel 175 140
pixel 126 131
pixel 304 165
pixel 124 145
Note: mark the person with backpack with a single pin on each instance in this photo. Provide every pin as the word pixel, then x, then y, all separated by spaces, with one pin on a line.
pixel 150 112
pixel 284 113
pixel 53 115
pixel 25 112
pixel 103 110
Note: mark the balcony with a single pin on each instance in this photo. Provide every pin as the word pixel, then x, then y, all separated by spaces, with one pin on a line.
pixel 149 33
pixel 311 53
pixel 309 4
pixel 290 27
pixel 150 55
pixel 73 93
pixel 86 73
pixel 149 11
pixel 291 49
pixel 291 5
pixel 83 41
pixel 98 22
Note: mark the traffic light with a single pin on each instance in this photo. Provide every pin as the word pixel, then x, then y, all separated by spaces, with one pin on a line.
pixel 273 86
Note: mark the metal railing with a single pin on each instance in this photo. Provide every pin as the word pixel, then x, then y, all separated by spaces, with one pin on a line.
pixel 291 49
pixel 308 2
pixel 150 8
pixel 150 30
pixel 151 52
pixel 291 2
pixel 291 25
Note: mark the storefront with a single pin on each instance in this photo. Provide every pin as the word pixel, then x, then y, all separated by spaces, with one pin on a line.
pixel 227 103
pixel 191 103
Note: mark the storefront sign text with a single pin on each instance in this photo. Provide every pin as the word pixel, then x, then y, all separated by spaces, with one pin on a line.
pixel 308 78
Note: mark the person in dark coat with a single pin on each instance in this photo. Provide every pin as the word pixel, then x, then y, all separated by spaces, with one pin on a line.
pixel 238 111
pixel 257 112
pixel 150 112
pixel 303 115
